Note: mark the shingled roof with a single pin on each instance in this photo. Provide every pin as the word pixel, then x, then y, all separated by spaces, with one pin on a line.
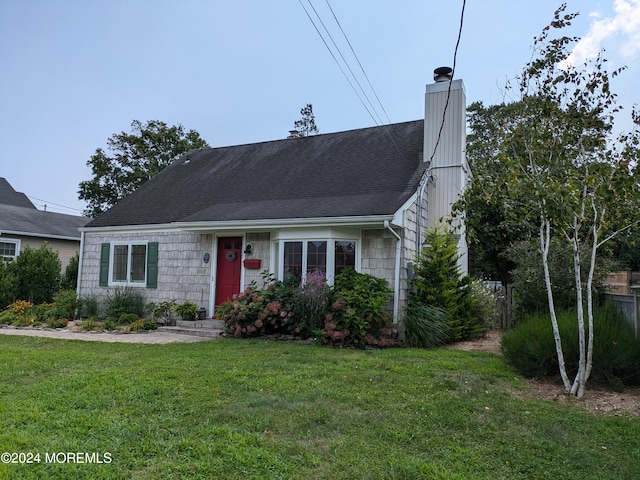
pixel 8 196
pixel 364 172
pixel 33 222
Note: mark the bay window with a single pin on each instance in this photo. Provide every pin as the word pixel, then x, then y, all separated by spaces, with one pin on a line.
pixel 325 256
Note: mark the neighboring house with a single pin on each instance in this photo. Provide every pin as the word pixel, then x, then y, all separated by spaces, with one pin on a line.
pixel 210 223
pixel 22 225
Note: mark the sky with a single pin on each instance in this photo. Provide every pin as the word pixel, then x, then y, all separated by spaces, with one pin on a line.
pixel 75 72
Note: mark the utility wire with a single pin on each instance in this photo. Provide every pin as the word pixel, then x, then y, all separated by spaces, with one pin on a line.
pixel 379 121
pixel 337 62
pixel 402 155
pixel 46 203
pixel 358 60
pixel 453 71
pixel 345 62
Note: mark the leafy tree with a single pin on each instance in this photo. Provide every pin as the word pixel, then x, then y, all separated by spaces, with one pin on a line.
pixel 307 124
pixel 132 159
pixel 626 249
pixel 486 204
pixel 562 162
pixel 38 274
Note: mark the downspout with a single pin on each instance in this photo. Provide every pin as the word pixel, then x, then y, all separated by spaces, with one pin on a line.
pixel 81 256
pixel 396 282
pixel 420 201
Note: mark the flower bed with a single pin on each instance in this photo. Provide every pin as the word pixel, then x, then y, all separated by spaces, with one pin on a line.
pixel 352 313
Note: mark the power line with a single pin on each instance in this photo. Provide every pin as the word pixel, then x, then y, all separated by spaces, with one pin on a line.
pixel 344 59
pixel 453 71
pixel 336 60
pixel 358 60
pixel 379 121
pixel 46 203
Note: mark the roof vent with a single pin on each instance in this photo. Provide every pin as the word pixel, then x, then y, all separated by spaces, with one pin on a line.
pixel 295 134
pixel 443 74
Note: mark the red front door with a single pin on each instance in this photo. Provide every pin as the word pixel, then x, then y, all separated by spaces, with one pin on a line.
pixel 228 270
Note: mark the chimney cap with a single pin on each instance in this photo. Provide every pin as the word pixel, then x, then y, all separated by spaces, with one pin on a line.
pixel 443 74
pixel 295 134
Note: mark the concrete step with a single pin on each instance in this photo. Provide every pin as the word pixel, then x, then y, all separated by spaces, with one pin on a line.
pixel 198 332
pixel 216 324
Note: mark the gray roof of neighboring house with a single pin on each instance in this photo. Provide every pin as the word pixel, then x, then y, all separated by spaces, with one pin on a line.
pixel 8 196
pixel 36 223
pixel 369 171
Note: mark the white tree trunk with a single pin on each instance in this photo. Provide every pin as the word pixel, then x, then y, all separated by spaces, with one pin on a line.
pixel 577 388
pixel 545 242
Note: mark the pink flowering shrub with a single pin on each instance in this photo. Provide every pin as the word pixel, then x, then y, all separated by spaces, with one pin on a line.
pixel 358 315
pixel 250 313
pixel 352 314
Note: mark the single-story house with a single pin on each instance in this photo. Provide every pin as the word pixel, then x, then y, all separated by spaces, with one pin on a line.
pixel 211 222
pixel 22 225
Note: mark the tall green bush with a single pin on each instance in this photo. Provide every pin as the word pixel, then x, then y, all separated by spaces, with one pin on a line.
pixel 70 277
pixel 8 284
pixel 529 347
pixel 359 315
pixel 38 274
pixel 438 282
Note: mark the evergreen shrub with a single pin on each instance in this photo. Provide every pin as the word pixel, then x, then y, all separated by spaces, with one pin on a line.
pixel 530 347
pixel 437 282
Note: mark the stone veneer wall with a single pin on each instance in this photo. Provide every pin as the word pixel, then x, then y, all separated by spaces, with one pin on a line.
pixel 182 273
pixel 261 243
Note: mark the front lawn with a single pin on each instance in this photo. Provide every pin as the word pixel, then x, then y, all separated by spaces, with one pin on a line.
pixel 258 409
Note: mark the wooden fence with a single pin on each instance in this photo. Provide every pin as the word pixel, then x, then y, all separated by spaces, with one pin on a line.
pixel 504 304
pixel 630 306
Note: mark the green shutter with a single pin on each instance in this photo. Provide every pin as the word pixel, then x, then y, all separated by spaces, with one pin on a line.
pixel 152 265
pixel 104 264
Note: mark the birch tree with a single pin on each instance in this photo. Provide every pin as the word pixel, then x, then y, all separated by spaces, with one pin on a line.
pixel 565 165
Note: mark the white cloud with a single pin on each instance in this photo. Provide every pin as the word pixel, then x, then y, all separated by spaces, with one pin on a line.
pixel 623 27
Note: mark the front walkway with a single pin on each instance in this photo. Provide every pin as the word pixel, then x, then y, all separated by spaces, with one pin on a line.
pixel 140 337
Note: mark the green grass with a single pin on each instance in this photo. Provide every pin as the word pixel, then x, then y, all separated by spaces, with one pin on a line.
pixel 238 409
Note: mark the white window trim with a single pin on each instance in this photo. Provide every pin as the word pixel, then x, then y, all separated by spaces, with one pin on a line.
pixel 16 242
pixel 331 245
pixel 128 282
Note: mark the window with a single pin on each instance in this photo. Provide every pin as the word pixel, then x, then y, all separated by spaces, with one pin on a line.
pixel 316 257
pixel 292 259
pixel 328 257
pixel 129 261
pixel 132 264
pixel 9 249
pixel 345 256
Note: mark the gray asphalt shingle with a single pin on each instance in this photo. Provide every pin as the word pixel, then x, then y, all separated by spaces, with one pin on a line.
pixel 369 171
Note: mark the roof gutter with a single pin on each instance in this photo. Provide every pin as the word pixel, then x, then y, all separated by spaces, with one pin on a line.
pixel 260 224
pixel 270 223
pixel 39 235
